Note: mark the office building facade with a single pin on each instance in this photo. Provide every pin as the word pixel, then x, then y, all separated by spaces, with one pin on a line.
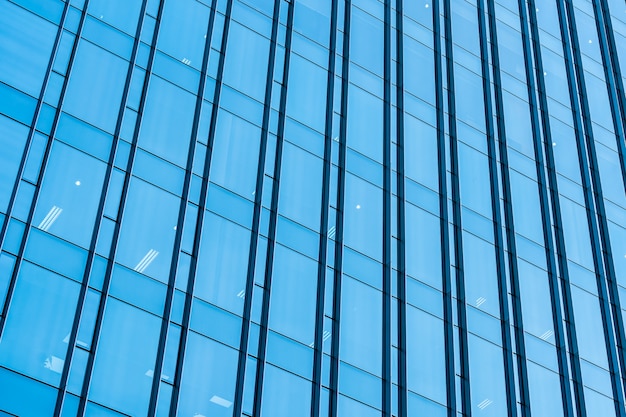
pixel 274 208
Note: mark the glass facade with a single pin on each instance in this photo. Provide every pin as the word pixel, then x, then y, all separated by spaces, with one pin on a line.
pixel 325 208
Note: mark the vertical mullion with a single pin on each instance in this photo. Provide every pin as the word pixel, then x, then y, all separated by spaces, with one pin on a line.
pixel 387 238
pixel 202 207
pixel 530 41
pixel 554 202
pixel 256 218
pixel 171 287
pixel 99 215
pixel 341 185
pixel 29 139
pixel 269 262
pixel 401 220
pixel 448 311
pixel 323 247
pixel 116 233
pixel 584 136
pixel 507 350
pixel 456 217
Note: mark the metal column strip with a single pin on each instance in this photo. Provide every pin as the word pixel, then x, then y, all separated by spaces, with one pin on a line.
pixel 539 120
pixel 169 296
pixel 269 262
pixel 341 184
pixel 466 408
pixel 488 36
pixel 387 238
pixel 448 310
pixel 202 205
pixel 323 247
pixel 403 396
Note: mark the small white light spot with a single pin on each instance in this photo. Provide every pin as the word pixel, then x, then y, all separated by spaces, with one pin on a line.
pixel 545 73
pixel 174 227
pixel 590 41
pixel 358 206
pixel 553 143
pixel 101 16
pixel 77 183
pixel 427 6
pixel 537 9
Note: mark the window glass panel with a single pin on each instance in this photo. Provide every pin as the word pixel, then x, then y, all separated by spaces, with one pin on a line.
pixel 306 95
pixel 166 121
pixel 70 194
pixel 361 326
pixel 222 263
pixel 103 75
pixel 26 42
pixel 122 14
pixel 284 394
pixel 293 295
pixel 426 371
pixel 24 397
pixel 300 186
pixel 40 319
pixel 363 217
pixel 423 251
pixel 209 374
pixel 182 31
pixel 124 366
pixel 246 61
pixel 147 235
pixel 486 378
pixel 12 140
pixel 235 154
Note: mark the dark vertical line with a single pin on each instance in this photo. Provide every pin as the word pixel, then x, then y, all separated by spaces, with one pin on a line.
pixel 341 185
pixel 466 408
pixel 614 77
pixel 98 223
pixel 321 266
pixel 584 135
pixel 448 311
pixel 505 325
pixel 256 218
pixel 568 319
pixel 611 277
pixel 536 108
pixel 201 210
pixel 387 238
pixel 182 211
pixel 29 139
pixel 116 233
pixel 31 133
pixel 269 263
pixel 403 396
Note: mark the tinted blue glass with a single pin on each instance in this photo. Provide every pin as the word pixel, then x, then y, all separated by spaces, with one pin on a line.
pixel 166 126
pixel 202 395
pixel 103 74
pixel 26 42
pixel 124 365
pixel 42 309
pixel 147 234
pixel 70 194
pixel 12 138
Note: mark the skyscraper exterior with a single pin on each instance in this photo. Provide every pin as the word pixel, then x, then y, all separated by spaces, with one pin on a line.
pixel 290 208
